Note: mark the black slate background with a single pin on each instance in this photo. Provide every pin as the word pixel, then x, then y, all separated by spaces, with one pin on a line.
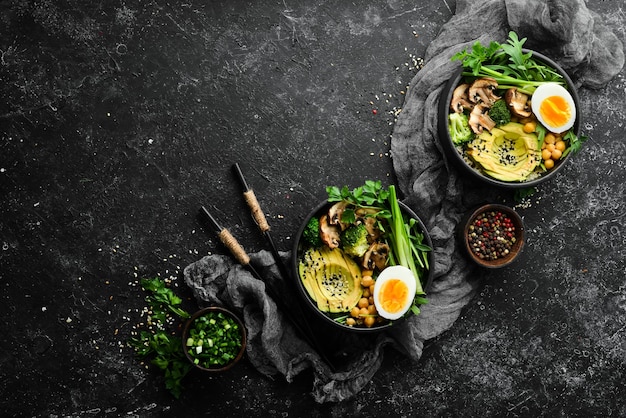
pixel 119 119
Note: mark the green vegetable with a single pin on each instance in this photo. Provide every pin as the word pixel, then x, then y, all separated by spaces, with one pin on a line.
pixel 371 194
pixel 162 298
pixel 311 232
pixel 521 194
pixel 164 348
pixel 499 113
pixel 354 240
pixel 575 142
pixel 404 246
pixel 458 126
pixel 214 340
pixel 508 65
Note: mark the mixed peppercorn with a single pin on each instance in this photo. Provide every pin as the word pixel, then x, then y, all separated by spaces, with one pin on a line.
pixel 491 235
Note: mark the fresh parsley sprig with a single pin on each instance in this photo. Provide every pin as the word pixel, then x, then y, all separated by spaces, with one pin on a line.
pixel 575 142
pixel 162 298
pixel 164 348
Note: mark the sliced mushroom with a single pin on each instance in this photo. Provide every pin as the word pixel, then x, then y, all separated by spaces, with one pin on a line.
pixel 479 119
pixel 460 99
pixel 376 256
pixel 330 234
pixel 482 90
pixel 335 212
pixel 517 102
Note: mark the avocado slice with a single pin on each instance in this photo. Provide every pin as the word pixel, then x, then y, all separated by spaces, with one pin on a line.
pixel 331 278
pixel 506 153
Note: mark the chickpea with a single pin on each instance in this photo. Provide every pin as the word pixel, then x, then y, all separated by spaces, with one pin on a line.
pixel 354 312
pixel 370 300
pixel 371 289
pixel 363 303
pixel 556 154
pixel 372 310
pixel 550 138
pixel 529 127
pixel 560 145
pixel 550 147
pixel 363 312
pixel 367 281
pixel 369 321
pixel 548 164
pixel 350 322
pixel 366 293
pixel 545 154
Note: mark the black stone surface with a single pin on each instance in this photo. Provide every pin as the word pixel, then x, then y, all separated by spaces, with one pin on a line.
pixel 119 119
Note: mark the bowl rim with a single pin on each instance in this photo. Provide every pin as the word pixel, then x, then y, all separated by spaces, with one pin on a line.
pixel 308 301
pixel 520 235
pixel 242 332
pixel 458 160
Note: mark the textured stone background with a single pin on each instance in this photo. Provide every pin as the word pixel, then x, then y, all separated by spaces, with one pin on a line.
pixel 119 119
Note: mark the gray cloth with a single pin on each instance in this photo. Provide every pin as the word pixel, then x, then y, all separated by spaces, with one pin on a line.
pixel 591 54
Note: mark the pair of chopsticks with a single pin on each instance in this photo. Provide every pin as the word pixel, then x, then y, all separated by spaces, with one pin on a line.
pixel 238 252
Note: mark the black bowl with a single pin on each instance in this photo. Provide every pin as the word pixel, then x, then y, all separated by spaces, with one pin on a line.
pixel 455 154
pixel 297 252
pixel 242 333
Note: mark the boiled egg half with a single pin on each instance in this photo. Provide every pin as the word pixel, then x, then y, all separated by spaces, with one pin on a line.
pixel 394 291
pixel 554 107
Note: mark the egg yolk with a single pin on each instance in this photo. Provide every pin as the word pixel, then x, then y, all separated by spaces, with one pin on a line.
pixel 555 110
pixel 393 295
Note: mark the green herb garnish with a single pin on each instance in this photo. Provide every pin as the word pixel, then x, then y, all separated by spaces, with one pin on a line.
pixel 164 347
pixel 508 64
pixel 575 143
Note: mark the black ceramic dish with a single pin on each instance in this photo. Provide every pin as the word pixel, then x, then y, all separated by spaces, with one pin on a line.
pixel 242 332
pixel 456 156
pixel 298 249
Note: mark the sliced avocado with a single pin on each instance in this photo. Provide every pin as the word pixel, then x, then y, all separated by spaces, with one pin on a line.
pixel 331 278
pixel 506 153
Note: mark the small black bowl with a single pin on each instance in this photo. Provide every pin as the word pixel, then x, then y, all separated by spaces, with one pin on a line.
pixel 455 154
pixel 242 333
pixel 297 252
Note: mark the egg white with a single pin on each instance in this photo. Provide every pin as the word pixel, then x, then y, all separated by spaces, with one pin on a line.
pixel 548 90
pixel 394 272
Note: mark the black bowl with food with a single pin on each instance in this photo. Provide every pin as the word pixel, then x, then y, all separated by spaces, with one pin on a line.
pixel 507 135
pixel 214 339
pixel 351 283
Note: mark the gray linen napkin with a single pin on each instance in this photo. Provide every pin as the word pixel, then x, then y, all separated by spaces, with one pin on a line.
pixel 567 32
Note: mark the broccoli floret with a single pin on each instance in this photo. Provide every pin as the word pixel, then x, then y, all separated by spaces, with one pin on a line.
pixel 311 233
pixel 354 240
pixel 499 113
pixel 458 126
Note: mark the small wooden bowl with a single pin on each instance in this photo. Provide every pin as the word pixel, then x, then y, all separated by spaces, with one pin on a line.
pixel 242 331
pixel 470 248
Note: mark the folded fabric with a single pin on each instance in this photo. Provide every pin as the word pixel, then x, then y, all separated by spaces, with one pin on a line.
pixel 430 186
